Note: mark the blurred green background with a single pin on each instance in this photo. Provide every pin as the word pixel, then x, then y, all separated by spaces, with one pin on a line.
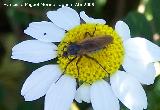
pixel 143 17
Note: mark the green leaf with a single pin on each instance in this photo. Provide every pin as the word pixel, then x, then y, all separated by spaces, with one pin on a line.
pixel 155 6
pixel 19 17
pixel 9 67
pixel 2 93
pixel 153 95
pixel 139 25
pixel 26 106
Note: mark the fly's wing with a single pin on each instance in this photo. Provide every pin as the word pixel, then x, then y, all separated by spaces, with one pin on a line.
pixel 94 44
pixel 90 46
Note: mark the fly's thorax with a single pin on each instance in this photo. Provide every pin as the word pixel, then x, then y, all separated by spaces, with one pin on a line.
pixel 103 38
pixel 73 49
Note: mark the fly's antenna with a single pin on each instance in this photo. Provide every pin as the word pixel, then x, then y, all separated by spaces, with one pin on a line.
pixel 96 62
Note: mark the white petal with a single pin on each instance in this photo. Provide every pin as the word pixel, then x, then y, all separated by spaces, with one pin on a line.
pixel 83 93
pixel 143 49
pixel 34 51
pixel 142 71
pixel 39 82
pixel 64 17
pixel 123 30
pixel 45 31
pixel 61 94
pixel 129 91
pixel 91 20
pixel 157 68
pixel 102 97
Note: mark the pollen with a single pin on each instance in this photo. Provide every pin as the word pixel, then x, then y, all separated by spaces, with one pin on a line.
pixel 87 70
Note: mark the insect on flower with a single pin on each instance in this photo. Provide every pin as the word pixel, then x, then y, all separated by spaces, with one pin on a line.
pixel 87 46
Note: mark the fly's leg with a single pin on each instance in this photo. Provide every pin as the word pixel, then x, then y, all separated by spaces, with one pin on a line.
pixel 96 62
pixel 58 78
pixel 94 31
pixel 66 68
pixel 69 63
pixel 79 59
pixel 89 34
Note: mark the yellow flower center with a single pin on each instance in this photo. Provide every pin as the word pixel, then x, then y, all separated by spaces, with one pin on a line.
pixel 105 61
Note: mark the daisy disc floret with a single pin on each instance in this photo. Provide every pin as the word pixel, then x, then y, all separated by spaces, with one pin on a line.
pixel 59 84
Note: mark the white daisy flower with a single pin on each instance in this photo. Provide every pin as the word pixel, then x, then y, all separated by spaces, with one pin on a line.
pixel 89 54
